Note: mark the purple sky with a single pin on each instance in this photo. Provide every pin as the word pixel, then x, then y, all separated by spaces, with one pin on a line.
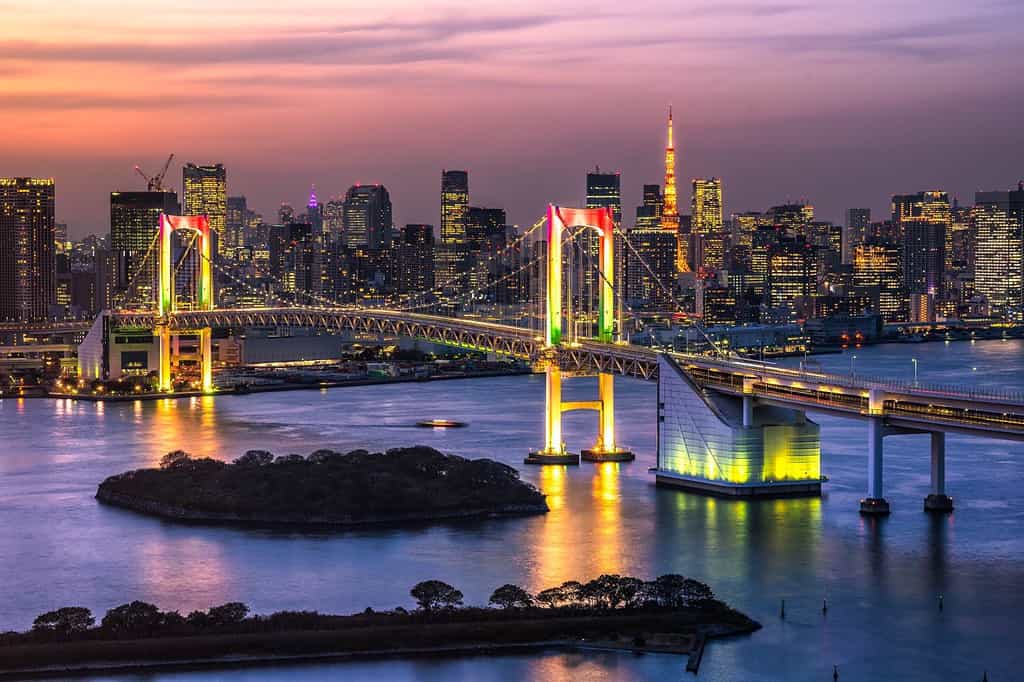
pixel 842 102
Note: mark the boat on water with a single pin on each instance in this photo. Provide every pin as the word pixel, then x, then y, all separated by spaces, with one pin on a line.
pixel 440 424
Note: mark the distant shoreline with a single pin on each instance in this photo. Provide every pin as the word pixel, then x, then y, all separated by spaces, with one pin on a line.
pixel 273 388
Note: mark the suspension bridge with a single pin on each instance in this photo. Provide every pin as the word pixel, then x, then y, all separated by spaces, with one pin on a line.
pixel 719 417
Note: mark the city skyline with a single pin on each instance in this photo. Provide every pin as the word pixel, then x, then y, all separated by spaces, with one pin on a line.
pixel 284 103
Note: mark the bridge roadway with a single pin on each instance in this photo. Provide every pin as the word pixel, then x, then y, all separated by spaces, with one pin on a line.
pixel 901 405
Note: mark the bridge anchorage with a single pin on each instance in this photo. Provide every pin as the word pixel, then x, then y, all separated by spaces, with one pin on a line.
pixel 605 449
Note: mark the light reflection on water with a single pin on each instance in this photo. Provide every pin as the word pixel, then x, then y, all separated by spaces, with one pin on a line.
pixel 881 578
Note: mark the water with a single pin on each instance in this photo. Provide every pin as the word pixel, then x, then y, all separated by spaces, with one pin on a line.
pixel 881 578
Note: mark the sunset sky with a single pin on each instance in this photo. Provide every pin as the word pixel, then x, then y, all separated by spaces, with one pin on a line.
pixel 842 102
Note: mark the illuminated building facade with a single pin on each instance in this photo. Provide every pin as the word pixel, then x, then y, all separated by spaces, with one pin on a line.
pixel 236 222
pixel 366 217
pixel 454 206
pixel 715 443
pixel 793 218
pixel 27 249
pixel 604 191
pixel 878 275
pixel 413 261
pixel 134 226
pixel 998 222
pixel 792 275
pixel 744 225
pixel 706 206
pixel 206 193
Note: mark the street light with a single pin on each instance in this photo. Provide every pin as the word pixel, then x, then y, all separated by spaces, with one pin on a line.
pixel 914 360
pixel 852 358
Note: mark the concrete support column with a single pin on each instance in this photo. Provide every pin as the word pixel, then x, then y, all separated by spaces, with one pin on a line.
pixel 605 449
pixel 748 411
pixel 206 359
pixel 164 344
pixel 937 500
pixel 554 451
pixel 875 503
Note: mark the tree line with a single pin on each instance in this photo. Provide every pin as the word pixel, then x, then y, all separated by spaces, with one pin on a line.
pixel 435 600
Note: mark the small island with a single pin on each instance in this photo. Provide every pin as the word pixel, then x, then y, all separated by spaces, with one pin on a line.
pixel 327 488
pixel 670 614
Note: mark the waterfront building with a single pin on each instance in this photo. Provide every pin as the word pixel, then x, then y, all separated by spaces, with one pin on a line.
pixel 27 249
pixel 205 192
pixel 998 221
pixel 706 206
pixel 877 274
pixel 134 224
pixel 923 258
pixel 366 217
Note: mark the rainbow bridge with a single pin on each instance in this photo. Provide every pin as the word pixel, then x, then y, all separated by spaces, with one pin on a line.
pixel 725 424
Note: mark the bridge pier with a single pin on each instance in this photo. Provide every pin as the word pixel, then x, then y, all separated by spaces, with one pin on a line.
pixel 938 501
pixel 604 449
pixel 748 411
pixel 875 503
pixel 554 451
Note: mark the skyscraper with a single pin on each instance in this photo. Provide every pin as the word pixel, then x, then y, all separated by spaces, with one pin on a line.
pixel 315 212
pixel 648 214
pixel 924 257
pixel 651 269
pixel 603 191
pixel 857 221
pixel 998 219
pixel 27 267
pixel 412 268
pixel 794 218
pixel 134 224
pixel 206 193
pixel 454 206
pixel 706 205
pixel 877 274
pixel 235 222
pixel 367 217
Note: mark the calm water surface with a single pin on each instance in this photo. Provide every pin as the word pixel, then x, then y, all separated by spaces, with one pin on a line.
pixel 881 578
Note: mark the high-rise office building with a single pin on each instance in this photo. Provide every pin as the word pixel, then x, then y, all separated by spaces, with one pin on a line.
pixel 134 226
pixel 27 266
pixel 485 228
pixel 603 191
pixel 706 206
pixel 413 262
pixel 793 218
pixel 878 275
pixel 648 213
pixel 744 225
pixel 792 275
pixel 924 257
pixel 235 222
pixel 206 193
pixel 366 217
pixel 334 219
pixel 647 285
pixel 315 212
pixel 998 222
pixel 931 206
pixel 857 222
pixel 454 206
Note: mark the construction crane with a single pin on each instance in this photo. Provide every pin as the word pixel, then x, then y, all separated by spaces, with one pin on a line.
pixel 156 183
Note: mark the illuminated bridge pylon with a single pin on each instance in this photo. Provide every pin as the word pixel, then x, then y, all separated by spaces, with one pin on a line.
pixel 561 219
pixel 167 301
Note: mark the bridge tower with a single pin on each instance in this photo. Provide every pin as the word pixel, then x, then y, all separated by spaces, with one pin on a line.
pixel 167 303
pixel 605 449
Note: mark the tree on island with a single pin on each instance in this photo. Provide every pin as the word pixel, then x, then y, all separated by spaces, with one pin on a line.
pixel 65 621
pixel 511 597
pixel 433 595
pixel 138 617
pixel 550 597
pixel 675 591
pixel 231 613
pixel 255 458
pixel 173 459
